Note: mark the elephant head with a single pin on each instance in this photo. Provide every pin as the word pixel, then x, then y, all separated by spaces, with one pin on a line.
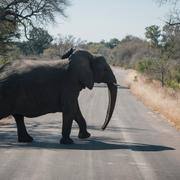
pixel 89 69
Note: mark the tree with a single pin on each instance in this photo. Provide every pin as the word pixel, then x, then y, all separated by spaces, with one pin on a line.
pixel 63 43
pixel 130 38
pixel 39 41
pixel 27 13
pixel 7 32
pixel 24 47
pixel 153 33
pixel 112 43
pixel 162 44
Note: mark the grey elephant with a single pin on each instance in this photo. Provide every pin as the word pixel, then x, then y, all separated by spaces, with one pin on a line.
pixel 34 88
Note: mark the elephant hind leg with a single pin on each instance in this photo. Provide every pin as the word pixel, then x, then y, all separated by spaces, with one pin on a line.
pixel 22 133
pixel 83 133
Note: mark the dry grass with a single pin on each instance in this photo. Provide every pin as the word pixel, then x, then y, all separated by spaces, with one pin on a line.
pixel 6 121
pixel 163 100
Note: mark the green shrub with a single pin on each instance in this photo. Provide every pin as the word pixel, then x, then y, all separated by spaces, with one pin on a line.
pixel 144 66
pixel 12 54
pixel 177 76
pixel 173 84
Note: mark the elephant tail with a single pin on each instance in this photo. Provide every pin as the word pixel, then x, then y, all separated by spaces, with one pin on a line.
pixel 68 53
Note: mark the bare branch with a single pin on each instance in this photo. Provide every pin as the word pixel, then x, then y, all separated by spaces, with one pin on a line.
pixel 174 15
pixel 24 11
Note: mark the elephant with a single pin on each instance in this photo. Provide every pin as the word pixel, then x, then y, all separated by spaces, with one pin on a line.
pixel 31 88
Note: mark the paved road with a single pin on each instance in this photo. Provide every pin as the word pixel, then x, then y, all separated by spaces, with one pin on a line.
pixel 138 144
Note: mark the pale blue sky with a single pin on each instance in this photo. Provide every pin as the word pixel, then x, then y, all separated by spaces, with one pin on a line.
pixel 94 20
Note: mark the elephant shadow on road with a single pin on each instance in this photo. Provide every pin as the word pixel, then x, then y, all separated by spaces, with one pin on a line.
pixel 50 141
pixel 94 144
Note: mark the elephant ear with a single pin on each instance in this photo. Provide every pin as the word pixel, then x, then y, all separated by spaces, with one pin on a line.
pixel 80 65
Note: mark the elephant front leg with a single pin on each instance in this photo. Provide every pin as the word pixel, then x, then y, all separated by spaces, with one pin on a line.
pixel 83 133
pixel 23 135
pixel 66 129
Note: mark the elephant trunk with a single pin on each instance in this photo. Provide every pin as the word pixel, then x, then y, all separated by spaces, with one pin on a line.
pixel 112 91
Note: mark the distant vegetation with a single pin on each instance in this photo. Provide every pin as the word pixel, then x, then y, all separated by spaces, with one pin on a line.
pixel 20 18
pixel 157 56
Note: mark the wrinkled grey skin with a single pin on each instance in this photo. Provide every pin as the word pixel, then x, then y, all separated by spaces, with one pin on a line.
pixel 34 88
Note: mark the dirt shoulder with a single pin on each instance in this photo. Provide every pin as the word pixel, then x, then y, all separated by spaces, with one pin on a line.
pixel 165 101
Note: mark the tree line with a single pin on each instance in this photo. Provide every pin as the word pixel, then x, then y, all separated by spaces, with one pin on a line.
pixel 157 56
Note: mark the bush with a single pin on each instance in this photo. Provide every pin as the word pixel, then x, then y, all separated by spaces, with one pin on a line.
pixel 144 66
pixel 12 54
pixel 173 84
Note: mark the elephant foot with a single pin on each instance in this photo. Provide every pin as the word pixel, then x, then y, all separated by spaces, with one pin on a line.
pixel 85 135
pixel 25 138
pixel 66 141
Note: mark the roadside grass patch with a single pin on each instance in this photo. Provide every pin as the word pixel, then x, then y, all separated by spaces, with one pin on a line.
pixel 161 99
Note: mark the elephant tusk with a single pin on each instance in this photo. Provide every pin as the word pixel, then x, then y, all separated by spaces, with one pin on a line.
pixel 117 85
pixel 112 92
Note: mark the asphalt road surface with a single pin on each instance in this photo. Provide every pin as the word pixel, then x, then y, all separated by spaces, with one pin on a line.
pixel 138 144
